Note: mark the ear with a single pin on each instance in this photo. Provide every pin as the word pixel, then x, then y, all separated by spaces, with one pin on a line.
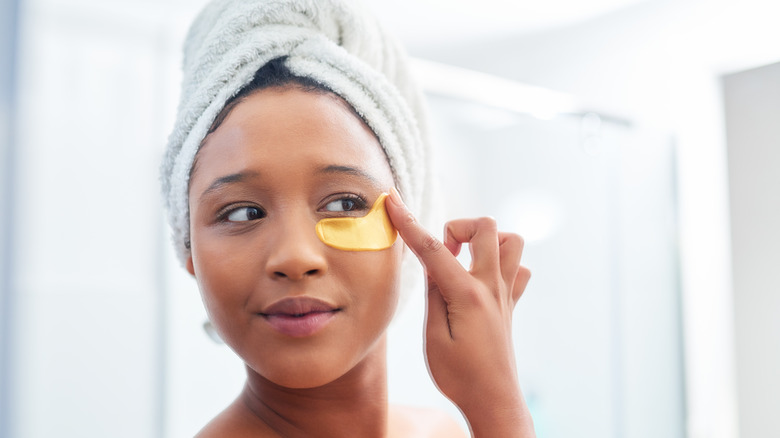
pixel 190 267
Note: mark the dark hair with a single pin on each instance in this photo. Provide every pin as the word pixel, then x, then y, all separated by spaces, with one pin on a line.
pixel 273 74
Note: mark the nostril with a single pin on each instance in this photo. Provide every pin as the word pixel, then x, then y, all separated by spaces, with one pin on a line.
pixel 309 273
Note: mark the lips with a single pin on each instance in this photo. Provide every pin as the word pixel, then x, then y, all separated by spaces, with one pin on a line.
pixel 299 316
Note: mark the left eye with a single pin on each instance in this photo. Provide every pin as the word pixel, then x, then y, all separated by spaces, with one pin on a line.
pixel 345 204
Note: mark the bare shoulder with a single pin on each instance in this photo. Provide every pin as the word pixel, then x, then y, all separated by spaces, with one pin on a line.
pixel 418 422
pixel 233 422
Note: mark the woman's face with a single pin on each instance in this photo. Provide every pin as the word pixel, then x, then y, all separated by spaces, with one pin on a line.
pixel 298 312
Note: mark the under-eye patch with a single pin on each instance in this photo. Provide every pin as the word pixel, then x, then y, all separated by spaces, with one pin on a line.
pixel 372 232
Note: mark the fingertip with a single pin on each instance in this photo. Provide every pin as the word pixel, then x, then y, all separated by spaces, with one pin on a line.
pixel 400 215
pixel 395 198
pixel 522 278
pixel 454 247
pixel 450 242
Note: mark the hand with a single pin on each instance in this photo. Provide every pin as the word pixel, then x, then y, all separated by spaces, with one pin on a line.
pixel 468 330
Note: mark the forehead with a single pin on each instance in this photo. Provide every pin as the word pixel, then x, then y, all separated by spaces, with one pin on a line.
pixel 282 130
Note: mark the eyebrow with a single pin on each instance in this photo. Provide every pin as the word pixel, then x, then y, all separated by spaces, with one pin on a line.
pixel 348 170
pixel 228 179
pixel 242 176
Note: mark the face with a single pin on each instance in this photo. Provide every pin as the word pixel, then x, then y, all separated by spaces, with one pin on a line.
pixel 297 311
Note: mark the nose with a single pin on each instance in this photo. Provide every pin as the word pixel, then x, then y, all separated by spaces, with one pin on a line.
pixel 294 251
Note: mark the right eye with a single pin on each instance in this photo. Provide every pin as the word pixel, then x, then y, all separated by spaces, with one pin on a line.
pixel 244 214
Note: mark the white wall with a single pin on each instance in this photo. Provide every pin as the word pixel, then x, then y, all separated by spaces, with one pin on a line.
pixel 8 39
pixel 752 115
pixel 93 111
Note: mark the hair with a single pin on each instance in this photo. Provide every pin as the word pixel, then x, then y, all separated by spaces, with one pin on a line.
pixel 273 74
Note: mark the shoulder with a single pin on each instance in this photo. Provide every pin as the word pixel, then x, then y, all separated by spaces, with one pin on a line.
pixel 417 422
pixel 233 422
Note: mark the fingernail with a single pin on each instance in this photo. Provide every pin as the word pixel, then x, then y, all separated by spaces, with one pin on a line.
pixel 396 197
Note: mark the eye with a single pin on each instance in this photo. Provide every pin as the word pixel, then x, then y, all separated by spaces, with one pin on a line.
pixel 345 204
pixel 244 214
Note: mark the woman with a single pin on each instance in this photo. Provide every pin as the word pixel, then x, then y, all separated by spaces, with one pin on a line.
pixel 293 114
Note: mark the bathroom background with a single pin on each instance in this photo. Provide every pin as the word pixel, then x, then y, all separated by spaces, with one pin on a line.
pixel 634 143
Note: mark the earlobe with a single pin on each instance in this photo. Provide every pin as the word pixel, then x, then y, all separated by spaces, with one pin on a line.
pixel 190 267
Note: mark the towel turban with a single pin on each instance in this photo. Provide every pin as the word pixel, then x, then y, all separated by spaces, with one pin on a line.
pixel 333 42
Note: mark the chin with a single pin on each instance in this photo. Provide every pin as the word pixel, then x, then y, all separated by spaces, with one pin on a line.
pixel 303 374
pixel 300 367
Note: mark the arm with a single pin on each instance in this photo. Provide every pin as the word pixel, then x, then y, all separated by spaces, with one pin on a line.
pixel 468 333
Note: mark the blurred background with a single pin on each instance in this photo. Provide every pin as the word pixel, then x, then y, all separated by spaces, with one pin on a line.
pixel 634 143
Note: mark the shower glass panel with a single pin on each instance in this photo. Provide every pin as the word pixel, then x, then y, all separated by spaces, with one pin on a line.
pixel 598 332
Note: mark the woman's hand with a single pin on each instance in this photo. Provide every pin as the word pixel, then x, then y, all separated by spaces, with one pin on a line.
pixel 468 330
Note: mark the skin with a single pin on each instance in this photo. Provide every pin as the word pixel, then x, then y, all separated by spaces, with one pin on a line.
pixel 282 160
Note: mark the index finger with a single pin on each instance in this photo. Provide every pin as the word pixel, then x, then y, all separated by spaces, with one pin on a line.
pixel 437 259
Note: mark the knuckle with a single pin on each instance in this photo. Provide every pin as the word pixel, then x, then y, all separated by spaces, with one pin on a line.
pixel 524 273
pixel 408 220
pixel 451 226
pixel 497 286
pixel 431 244
pixel 483 295
pixel 516 240
pixel 474 298
pixel 486 222
pixel 512 241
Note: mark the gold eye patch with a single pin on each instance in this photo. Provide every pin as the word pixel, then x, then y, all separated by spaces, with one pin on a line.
pixel 372 232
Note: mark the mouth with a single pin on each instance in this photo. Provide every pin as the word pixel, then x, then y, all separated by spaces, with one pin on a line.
pixel 299 316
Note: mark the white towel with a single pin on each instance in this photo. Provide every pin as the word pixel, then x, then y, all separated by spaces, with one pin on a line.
pixel 334 42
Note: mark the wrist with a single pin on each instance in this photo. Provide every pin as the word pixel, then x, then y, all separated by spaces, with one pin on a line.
pixel 503 417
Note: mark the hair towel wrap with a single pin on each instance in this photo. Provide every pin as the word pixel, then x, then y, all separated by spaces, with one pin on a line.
pixel 331 41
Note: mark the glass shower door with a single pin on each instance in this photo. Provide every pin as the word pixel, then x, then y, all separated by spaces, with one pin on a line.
pixel 597 332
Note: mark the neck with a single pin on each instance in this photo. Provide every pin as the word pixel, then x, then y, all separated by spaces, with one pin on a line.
pixel 355 404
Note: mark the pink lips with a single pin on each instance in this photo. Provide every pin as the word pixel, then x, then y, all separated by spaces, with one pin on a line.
pixel 299 316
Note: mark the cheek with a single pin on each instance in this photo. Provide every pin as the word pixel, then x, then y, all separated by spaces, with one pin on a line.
pixel 375 279
pixel 223 277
